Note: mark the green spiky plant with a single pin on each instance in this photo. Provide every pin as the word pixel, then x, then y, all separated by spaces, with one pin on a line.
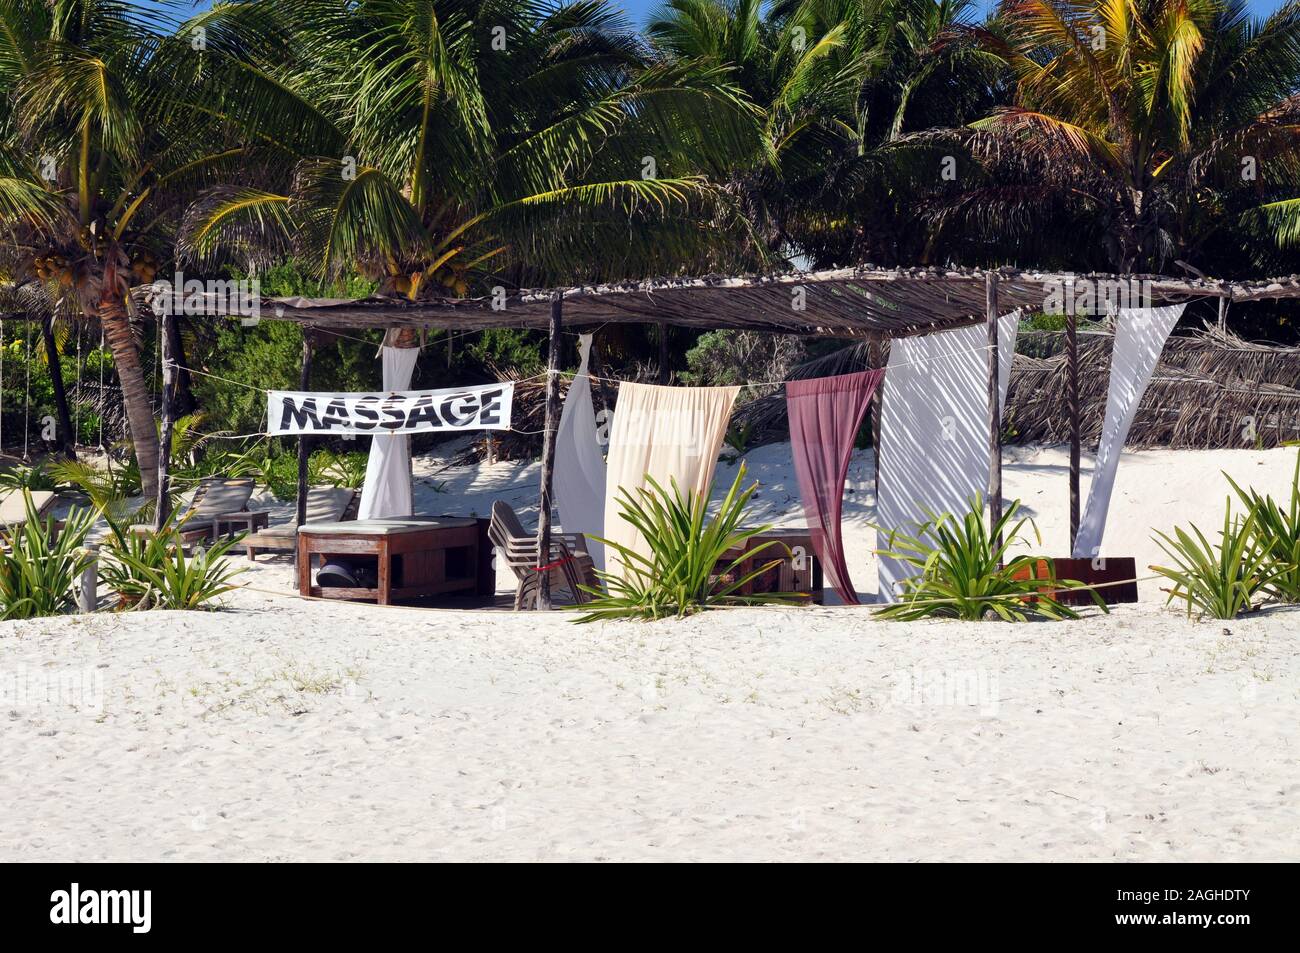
pixel 961 573
pixel 152 571
pixel 1277 530
pixel 1220 581
pixel 687 571
pixel 42 562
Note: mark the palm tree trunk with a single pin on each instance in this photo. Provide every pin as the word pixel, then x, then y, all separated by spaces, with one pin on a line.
pixel 135 393
pixel 67 439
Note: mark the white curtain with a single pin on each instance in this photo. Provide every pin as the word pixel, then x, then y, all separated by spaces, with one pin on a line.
pixel 579 476
pixel 934 432
pixel 669 433
pixel 1140 335
pixel 387 490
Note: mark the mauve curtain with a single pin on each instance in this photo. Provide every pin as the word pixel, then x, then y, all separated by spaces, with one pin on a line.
pixel 825 414
pixel 669 433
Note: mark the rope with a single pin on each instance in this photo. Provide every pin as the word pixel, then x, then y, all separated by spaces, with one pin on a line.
pixel 1053 587
pixel 559 562
pixel 267 390
pixel 296 595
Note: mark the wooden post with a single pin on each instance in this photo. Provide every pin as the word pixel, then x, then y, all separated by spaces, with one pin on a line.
pixel 1072 408
pixel 162 503
pixel 548 453
pixel 1223 314
pixel 995 403
pixel 304 448
pixel 876 359
pixel 664 376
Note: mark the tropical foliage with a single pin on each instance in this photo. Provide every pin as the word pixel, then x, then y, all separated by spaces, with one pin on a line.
pixel 962 570
pixel 152 570
pixel 1277 529
pixel 41 562
pixel 1256 558
pixel 449 147
pixel 1220 580
pixel 694 562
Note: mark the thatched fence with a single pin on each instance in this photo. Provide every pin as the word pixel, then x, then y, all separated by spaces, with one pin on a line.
pixel 1210 390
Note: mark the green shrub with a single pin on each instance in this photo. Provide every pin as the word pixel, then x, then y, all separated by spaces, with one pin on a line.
pixel 31 478
pixel 1220 581
pixel 961 575
pixel 683 574
pixel 1277 531
pixel 110 488
pixel 152 571
pixel 42 564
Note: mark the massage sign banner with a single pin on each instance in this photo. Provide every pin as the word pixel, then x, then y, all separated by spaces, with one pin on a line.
pixel 487 407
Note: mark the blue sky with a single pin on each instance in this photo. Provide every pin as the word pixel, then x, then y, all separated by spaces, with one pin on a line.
pixel 640 9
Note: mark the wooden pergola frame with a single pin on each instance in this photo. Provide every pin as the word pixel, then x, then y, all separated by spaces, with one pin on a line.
pixel 856 303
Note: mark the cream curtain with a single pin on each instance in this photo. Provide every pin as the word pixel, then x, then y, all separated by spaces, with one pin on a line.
pixel 669 433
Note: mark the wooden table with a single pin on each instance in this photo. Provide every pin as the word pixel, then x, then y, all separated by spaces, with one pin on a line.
pixel 416 557
pixel 249 521
pixel 799 569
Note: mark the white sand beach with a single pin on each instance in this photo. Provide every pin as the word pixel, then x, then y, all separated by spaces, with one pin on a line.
pixel 283 729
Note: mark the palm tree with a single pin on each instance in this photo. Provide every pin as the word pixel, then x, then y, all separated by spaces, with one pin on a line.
pixel 841 83
pixel 483 142
pixel 1146 125
pixel 787 67
pixel 916 65
pixel 107 127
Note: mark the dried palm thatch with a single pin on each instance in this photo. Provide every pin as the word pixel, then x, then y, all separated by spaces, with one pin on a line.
pixel 1209 390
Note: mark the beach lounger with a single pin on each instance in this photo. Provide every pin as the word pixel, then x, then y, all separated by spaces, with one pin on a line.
pixel 13 509
pixel 325 504
pixel 571 564
pixel 214 498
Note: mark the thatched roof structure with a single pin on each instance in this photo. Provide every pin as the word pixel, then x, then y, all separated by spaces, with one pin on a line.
pixel 842 302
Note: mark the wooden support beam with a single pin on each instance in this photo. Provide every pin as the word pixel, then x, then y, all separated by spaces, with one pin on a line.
pixel 995 402
pixel 162 503
pixel 876 358
pixel 304 442
pixel 548 453
pixel 665 376
pixel 1072 409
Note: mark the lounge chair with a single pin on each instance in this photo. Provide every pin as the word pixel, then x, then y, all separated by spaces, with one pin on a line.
pixel 213 498
pixel 13 508
pixel 325 504
pixel 571 567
